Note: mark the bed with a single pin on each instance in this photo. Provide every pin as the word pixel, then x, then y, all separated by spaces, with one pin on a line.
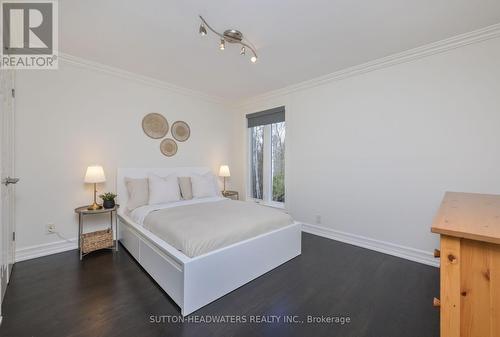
pixel 200 250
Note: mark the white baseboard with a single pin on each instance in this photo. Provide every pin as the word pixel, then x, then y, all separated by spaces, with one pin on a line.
pixel 404 252
pixel 32 252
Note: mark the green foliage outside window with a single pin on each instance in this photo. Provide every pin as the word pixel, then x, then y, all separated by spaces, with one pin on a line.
pixel 279 187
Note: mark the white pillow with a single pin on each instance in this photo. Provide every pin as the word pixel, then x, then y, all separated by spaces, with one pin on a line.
pixel 138 194
pixel 204 186
pixel 163 190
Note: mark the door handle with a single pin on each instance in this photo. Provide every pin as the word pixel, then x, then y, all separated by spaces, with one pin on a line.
pixel 10 180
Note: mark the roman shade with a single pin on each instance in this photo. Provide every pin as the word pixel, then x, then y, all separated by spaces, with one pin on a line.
pixel 271 116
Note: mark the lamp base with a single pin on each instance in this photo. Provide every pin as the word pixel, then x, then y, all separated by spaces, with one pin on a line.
pixel 94 207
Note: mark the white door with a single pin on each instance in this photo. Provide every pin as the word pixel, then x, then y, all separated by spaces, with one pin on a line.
pixel 7 229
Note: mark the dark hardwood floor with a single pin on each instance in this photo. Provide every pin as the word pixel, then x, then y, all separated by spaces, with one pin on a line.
pixel 110 295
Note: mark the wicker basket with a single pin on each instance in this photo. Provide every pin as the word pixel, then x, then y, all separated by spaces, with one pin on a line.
pixel 97 240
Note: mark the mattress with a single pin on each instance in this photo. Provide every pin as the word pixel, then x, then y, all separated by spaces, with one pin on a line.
pixel 197 228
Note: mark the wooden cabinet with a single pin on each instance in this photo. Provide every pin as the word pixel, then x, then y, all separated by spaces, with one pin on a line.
pixel 469 227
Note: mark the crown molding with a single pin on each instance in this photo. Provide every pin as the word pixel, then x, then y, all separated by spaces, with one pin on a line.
pixel 458 41
pixel 95 66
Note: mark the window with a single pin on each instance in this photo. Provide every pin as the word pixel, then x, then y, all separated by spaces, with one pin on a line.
pixel 266 133
pixel 257 161
pixel 278 161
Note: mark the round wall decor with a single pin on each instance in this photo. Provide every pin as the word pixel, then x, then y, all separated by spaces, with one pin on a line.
pixel 168 147
pixel 180 131
pixel 155 125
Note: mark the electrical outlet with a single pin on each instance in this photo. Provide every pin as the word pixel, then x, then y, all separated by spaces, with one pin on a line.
pixel 51 228
pixel 318 219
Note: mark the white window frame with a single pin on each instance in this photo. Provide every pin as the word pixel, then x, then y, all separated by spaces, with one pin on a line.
pixel 267 184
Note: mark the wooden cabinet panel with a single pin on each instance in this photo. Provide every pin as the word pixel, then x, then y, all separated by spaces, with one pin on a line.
pixel 475 289
pixel 450 286
pixel 470 288
pixel 495 290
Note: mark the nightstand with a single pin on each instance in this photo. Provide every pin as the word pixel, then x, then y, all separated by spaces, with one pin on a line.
pixel 102 239
pixel 231 195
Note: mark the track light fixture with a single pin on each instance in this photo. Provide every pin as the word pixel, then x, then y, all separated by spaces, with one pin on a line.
pixel 203 30
pixel 231 36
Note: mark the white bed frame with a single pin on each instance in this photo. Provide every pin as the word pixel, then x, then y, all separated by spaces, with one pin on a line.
pixel 195 282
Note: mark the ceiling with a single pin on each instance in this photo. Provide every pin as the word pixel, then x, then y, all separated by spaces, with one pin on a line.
pixel 296 40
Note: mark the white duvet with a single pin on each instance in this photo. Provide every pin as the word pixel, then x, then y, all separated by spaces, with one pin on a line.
pixel 198 226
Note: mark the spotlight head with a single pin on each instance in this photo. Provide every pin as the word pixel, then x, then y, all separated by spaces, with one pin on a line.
pixel 242 50
pixel 253 59
pixel 203 30
pixel 222 45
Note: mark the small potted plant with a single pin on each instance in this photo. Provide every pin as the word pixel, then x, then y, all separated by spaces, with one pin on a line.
pixel 108 200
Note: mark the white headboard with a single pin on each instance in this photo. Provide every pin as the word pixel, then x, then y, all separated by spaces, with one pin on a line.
pixel 122 173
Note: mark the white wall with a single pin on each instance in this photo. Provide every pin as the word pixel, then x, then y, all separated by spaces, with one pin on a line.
pixel 74 117
pixel 374 153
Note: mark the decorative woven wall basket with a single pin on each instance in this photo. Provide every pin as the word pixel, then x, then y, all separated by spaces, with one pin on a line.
pixel 168 147
pixel 181 131
pixel 155 125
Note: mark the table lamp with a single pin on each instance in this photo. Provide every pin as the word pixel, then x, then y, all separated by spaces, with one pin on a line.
pixel 94 175
pixel 224 172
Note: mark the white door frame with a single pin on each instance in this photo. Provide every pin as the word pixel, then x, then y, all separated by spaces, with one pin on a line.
pixel 7 207
pixel 13 172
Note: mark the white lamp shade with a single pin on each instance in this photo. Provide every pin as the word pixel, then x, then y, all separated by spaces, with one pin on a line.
pixel 95 174
pixel 224 171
